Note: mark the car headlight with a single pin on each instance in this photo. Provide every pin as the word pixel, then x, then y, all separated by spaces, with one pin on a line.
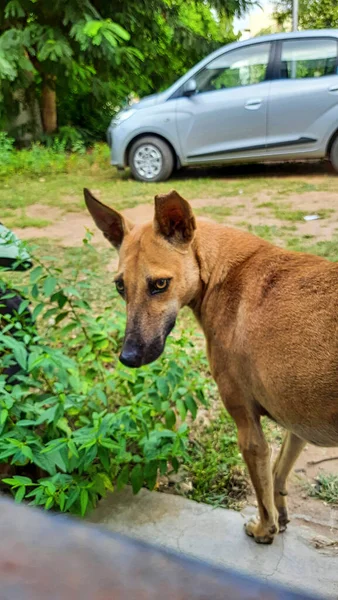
pixel 123 116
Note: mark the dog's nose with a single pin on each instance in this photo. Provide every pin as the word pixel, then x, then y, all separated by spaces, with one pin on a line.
pixel 131 356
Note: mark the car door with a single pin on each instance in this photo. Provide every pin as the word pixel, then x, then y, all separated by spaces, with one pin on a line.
pixel 227 115
pixel 303 101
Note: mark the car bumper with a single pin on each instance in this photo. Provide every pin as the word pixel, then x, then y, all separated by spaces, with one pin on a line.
pixel 116 143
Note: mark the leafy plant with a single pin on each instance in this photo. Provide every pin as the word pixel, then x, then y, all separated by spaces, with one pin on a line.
pixel 75 423
pixel 51 159
pixel 326 488
pixel 216 467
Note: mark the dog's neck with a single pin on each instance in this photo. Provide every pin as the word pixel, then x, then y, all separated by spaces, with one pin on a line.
pixel 217 250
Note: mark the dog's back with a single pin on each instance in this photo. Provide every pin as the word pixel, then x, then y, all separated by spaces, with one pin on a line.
pixel 277 320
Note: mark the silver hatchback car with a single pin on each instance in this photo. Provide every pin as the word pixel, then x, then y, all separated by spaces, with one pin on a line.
pixel 268 98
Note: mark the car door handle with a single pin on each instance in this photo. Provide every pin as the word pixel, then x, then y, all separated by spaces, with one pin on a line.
pixel 253 104
pixel 333 88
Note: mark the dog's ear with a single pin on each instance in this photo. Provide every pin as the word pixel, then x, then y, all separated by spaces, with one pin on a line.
pixel 113 225
pixel 174 218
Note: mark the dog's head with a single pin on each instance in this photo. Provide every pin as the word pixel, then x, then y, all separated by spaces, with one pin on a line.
pixel 157 274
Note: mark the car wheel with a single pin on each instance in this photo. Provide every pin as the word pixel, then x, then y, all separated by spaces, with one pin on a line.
pixel 151 159
pixel 334 154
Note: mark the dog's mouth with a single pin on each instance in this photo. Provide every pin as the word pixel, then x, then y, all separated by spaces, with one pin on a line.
pixel 135 353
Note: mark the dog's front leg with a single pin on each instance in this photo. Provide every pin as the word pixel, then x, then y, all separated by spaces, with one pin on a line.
pixel 256 454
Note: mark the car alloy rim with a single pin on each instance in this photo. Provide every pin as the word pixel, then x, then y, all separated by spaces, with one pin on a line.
pixel 148 161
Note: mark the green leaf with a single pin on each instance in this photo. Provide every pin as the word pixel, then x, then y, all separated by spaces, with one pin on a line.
pixel 70 327
pixel 150 474
pixel 22 480
pixel 61 316
pixel 35 274
pixel 106 481
pixel 37 310
pixel 119 31
pixel 191 405
pixel 91 28
pixel 83 501
pixel 60 298
pixel 62 501
pixel 110 37
pixel 49 503
pixel 14 9
pixel 23 306
pixel 26 451
pixel 162 386
pixel 58 460
pixel 35 291
pixel 20 494
pixel 175 463
pixel 3 416
pixel 123 477
pixel 49 285
pixel 181 409
pixel 72 498
pixel 104 457
pixel 72 450
pixel 19 351
pixel 136 478
pixel 170 418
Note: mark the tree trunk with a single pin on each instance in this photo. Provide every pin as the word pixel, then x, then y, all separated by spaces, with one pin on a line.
pixel 48 106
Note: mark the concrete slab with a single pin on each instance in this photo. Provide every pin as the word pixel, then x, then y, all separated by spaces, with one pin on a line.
pixel 217 536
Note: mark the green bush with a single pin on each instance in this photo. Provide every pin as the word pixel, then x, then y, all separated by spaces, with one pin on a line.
pixel 50 159
pixel 77 423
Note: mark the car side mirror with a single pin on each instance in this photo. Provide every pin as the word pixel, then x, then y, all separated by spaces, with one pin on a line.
pixel 190 87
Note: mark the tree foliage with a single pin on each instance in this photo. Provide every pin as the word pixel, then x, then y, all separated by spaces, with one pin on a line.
pixel 313 14
pixel 86 57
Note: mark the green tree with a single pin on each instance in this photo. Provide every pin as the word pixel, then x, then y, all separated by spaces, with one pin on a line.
pixel 50 45
pixel 313 14
pixel 82 59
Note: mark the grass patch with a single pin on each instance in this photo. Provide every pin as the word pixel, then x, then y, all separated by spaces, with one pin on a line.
pixel 267 232
pixel 289 215
pixel 23 221
pixel 218 213
pixel 298 215
pixel 57 179
pixel 326 248
pixel 266 205
pixel 217 468
pixel 296 187
pixel 326 488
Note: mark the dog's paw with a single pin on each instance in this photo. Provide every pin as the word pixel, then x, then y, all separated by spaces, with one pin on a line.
pixel 283 519
pixel 261 535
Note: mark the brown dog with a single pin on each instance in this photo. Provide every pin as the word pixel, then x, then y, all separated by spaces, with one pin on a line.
pixel 270 318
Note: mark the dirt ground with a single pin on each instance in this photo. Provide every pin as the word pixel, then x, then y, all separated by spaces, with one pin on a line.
pixel 303 507
pixel 68 229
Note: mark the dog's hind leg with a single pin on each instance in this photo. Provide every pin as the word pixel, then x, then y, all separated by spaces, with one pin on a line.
pixel 289 452
pixel 256 454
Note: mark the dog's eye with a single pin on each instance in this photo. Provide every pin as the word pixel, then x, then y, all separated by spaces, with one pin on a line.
pixel 159 285
pixel 120 286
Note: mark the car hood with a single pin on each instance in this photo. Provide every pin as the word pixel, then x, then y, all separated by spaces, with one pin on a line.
pixel 148 101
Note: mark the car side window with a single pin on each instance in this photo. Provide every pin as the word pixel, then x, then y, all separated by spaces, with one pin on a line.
pixel 245 66
pixel 305 58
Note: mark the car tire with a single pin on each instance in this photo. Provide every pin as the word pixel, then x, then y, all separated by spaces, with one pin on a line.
pixel 333 156
pixel 151 159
